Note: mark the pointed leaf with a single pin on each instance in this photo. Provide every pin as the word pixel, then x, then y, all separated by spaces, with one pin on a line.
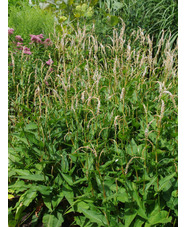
pixel 161 217
pixel 51 220
pixel 94 216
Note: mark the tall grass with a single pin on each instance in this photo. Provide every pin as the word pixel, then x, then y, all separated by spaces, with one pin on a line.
pixel 152 16
pixel 28 20
pixel 94 140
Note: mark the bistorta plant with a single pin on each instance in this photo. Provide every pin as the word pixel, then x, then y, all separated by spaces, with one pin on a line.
pixel 94 140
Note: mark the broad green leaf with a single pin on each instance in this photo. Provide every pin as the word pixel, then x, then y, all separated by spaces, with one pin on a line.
pixel 99 183
pixel 137 198
pixel 150 183
pixel 94 216
pixel 141 213
pixel 24 201
pixel 138 223
pixel 108 163
pixel 68 179
pixel 64 164
pixel 129 218
pixel 11 223
pixel 56 199
pixel 22 172
pixel 134 147
pixel 31 126
pixel 34 177
pixel 113 20
pixel 10 196
pixel 122 195
pixel 11 191
pixel 19 186
pixel 54 219
pixel 83 221
pixel 163 182
pixel 68 193
pixel 160 218
pixel 83 205
pixel 24 140
pixel 47 199
pixel 44 190
pixel 117 5
pixel 29 197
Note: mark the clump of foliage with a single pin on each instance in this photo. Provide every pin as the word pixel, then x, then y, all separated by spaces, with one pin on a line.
pixel 93 131
pixel 30 20
pixel 153 16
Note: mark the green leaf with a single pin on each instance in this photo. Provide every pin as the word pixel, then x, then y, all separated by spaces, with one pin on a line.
pixel 83 221
pixel 34 177
pixel 24 201
pixel 94 216
pixel 19 186
pixel 82 205
pixel 68 179
pixel 56 199
pixel 22 172
pixel 138 223
pixel 129 218
pixel 24 140
pixel 47 199
pixel 117 5
pixel 161 217
pixel 122 195
pixel 44 190
pixel 163 182
pixel 68 193
pixel 108 163
pixel 151 183
pixel 10 196
pixel 113 20
pixel 55 219
pixel 137 198
pixel 134 147
pixel 31 126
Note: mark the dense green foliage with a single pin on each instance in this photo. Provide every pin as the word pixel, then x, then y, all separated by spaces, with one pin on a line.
pixel 28 20
pixel 92 121
pixel 151 15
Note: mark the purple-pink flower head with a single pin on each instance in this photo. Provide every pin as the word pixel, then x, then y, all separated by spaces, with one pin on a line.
pixel 18 38
pixel 35 38
pixel 19 44
pixel 49 62
pixel 10 31
pixel 41 36
pixel 26 49
pixel 47 42
pixel 27 52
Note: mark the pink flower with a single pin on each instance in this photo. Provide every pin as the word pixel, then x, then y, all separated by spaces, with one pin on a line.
pixel 26 49
pixel 47 42
pixel 18 38
pixel 10 31
pixel 27 52
pixel 41 36
pixel 20 48
pixel 35 38
pixel 49 62
pixel 19 44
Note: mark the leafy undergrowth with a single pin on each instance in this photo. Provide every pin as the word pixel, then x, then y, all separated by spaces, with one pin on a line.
pixel 92 131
